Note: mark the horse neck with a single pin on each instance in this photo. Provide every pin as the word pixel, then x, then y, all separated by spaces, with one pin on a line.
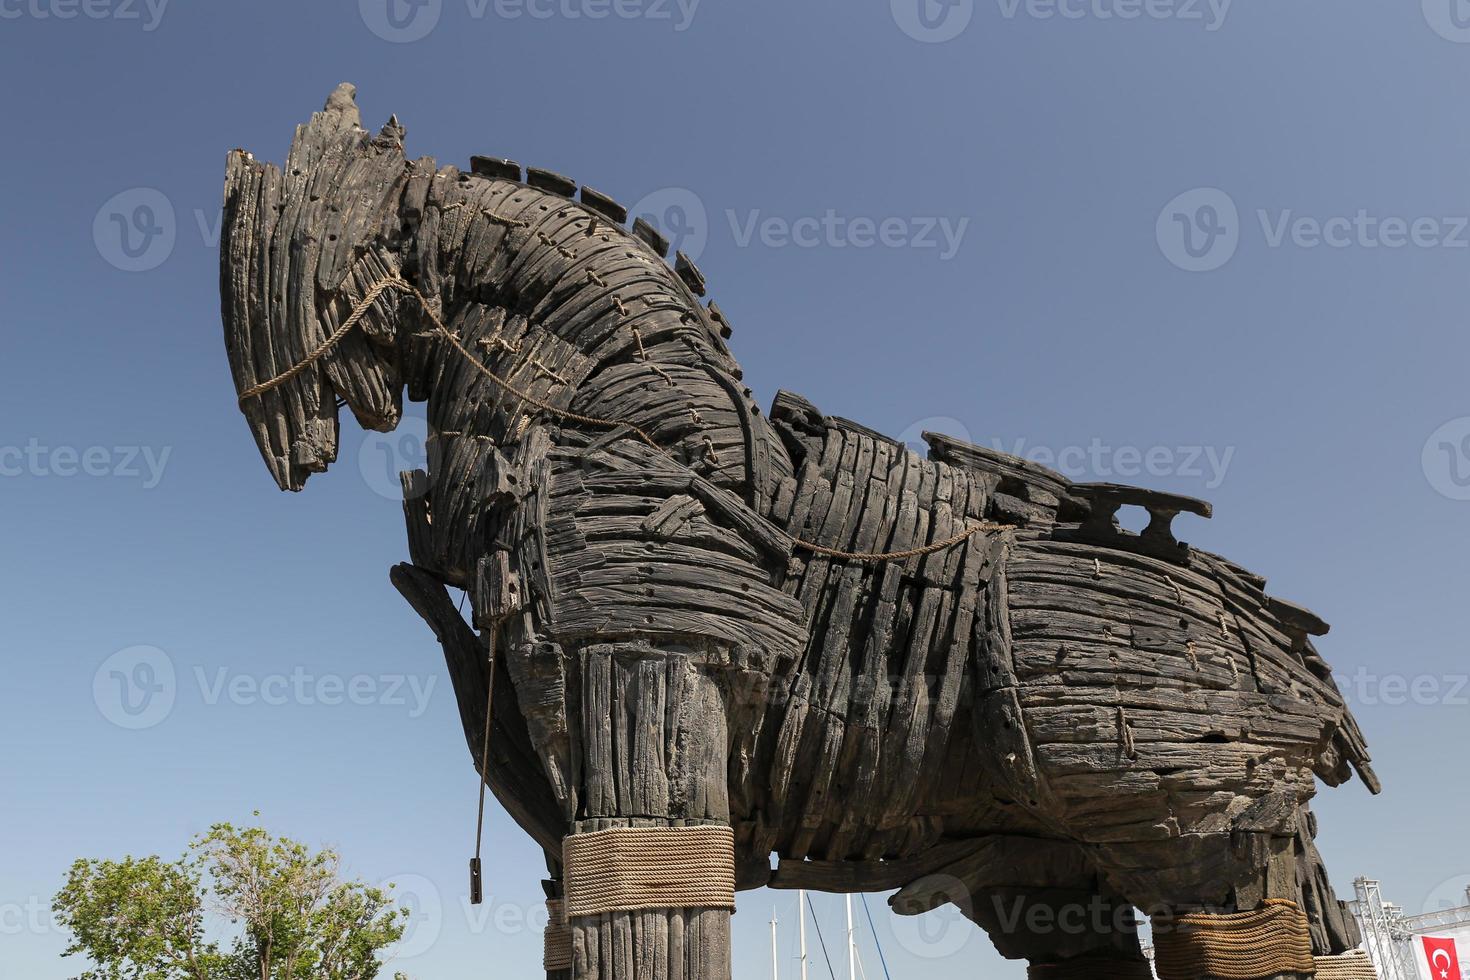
pixel 561 307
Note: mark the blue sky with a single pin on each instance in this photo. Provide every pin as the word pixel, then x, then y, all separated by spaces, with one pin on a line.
pixel 1219 249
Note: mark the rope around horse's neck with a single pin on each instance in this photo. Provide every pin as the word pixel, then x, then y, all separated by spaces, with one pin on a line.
pixel 404 286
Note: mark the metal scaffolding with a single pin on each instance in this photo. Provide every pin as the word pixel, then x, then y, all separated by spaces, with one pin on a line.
pixel 1388 934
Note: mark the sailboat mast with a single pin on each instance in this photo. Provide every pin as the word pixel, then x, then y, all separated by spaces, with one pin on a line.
pixel 801 917
pixel 775 965
pixel 851 945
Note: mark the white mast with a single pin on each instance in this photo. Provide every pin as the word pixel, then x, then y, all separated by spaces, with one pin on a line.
pixel 851 945
pixel 775 966
pixel 801 917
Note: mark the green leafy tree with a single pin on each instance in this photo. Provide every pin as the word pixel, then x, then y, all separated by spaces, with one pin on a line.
pixel 294 916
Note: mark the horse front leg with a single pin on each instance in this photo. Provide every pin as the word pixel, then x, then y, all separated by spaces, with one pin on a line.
pixel 648 868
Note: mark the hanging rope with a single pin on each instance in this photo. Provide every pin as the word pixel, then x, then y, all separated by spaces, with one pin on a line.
pixel 404 286
pixel 476 884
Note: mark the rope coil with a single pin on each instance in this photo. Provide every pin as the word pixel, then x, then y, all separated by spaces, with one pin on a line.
pixel 405 287
pixel 1264 942
pixel 557 942
pixel 1353 965
pixel 627 869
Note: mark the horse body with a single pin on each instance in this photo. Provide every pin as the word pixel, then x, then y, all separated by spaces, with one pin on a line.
pixel 1049 709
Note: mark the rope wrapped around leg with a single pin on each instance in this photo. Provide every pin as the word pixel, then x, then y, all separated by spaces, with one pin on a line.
pixel 1091 968
pixel 1352 965
pixel 558 939
pixel 627 869
pixel 1264 942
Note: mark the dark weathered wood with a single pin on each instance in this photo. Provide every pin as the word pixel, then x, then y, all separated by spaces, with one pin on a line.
pixel 1052 710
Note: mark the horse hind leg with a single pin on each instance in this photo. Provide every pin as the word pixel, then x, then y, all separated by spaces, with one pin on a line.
pixel 1249 906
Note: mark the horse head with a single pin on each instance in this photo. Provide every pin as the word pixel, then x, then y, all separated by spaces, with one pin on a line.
pixel 302 246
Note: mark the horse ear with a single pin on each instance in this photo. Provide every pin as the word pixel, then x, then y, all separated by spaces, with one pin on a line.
pixel 392 131
pixel 340 111
pixel 338 122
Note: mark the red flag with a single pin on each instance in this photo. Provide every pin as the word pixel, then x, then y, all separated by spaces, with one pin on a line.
pixel 1440 954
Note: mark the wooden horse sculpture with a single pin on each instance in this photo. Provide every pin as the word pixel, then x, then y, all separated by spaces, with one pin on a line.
pixel 702 634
